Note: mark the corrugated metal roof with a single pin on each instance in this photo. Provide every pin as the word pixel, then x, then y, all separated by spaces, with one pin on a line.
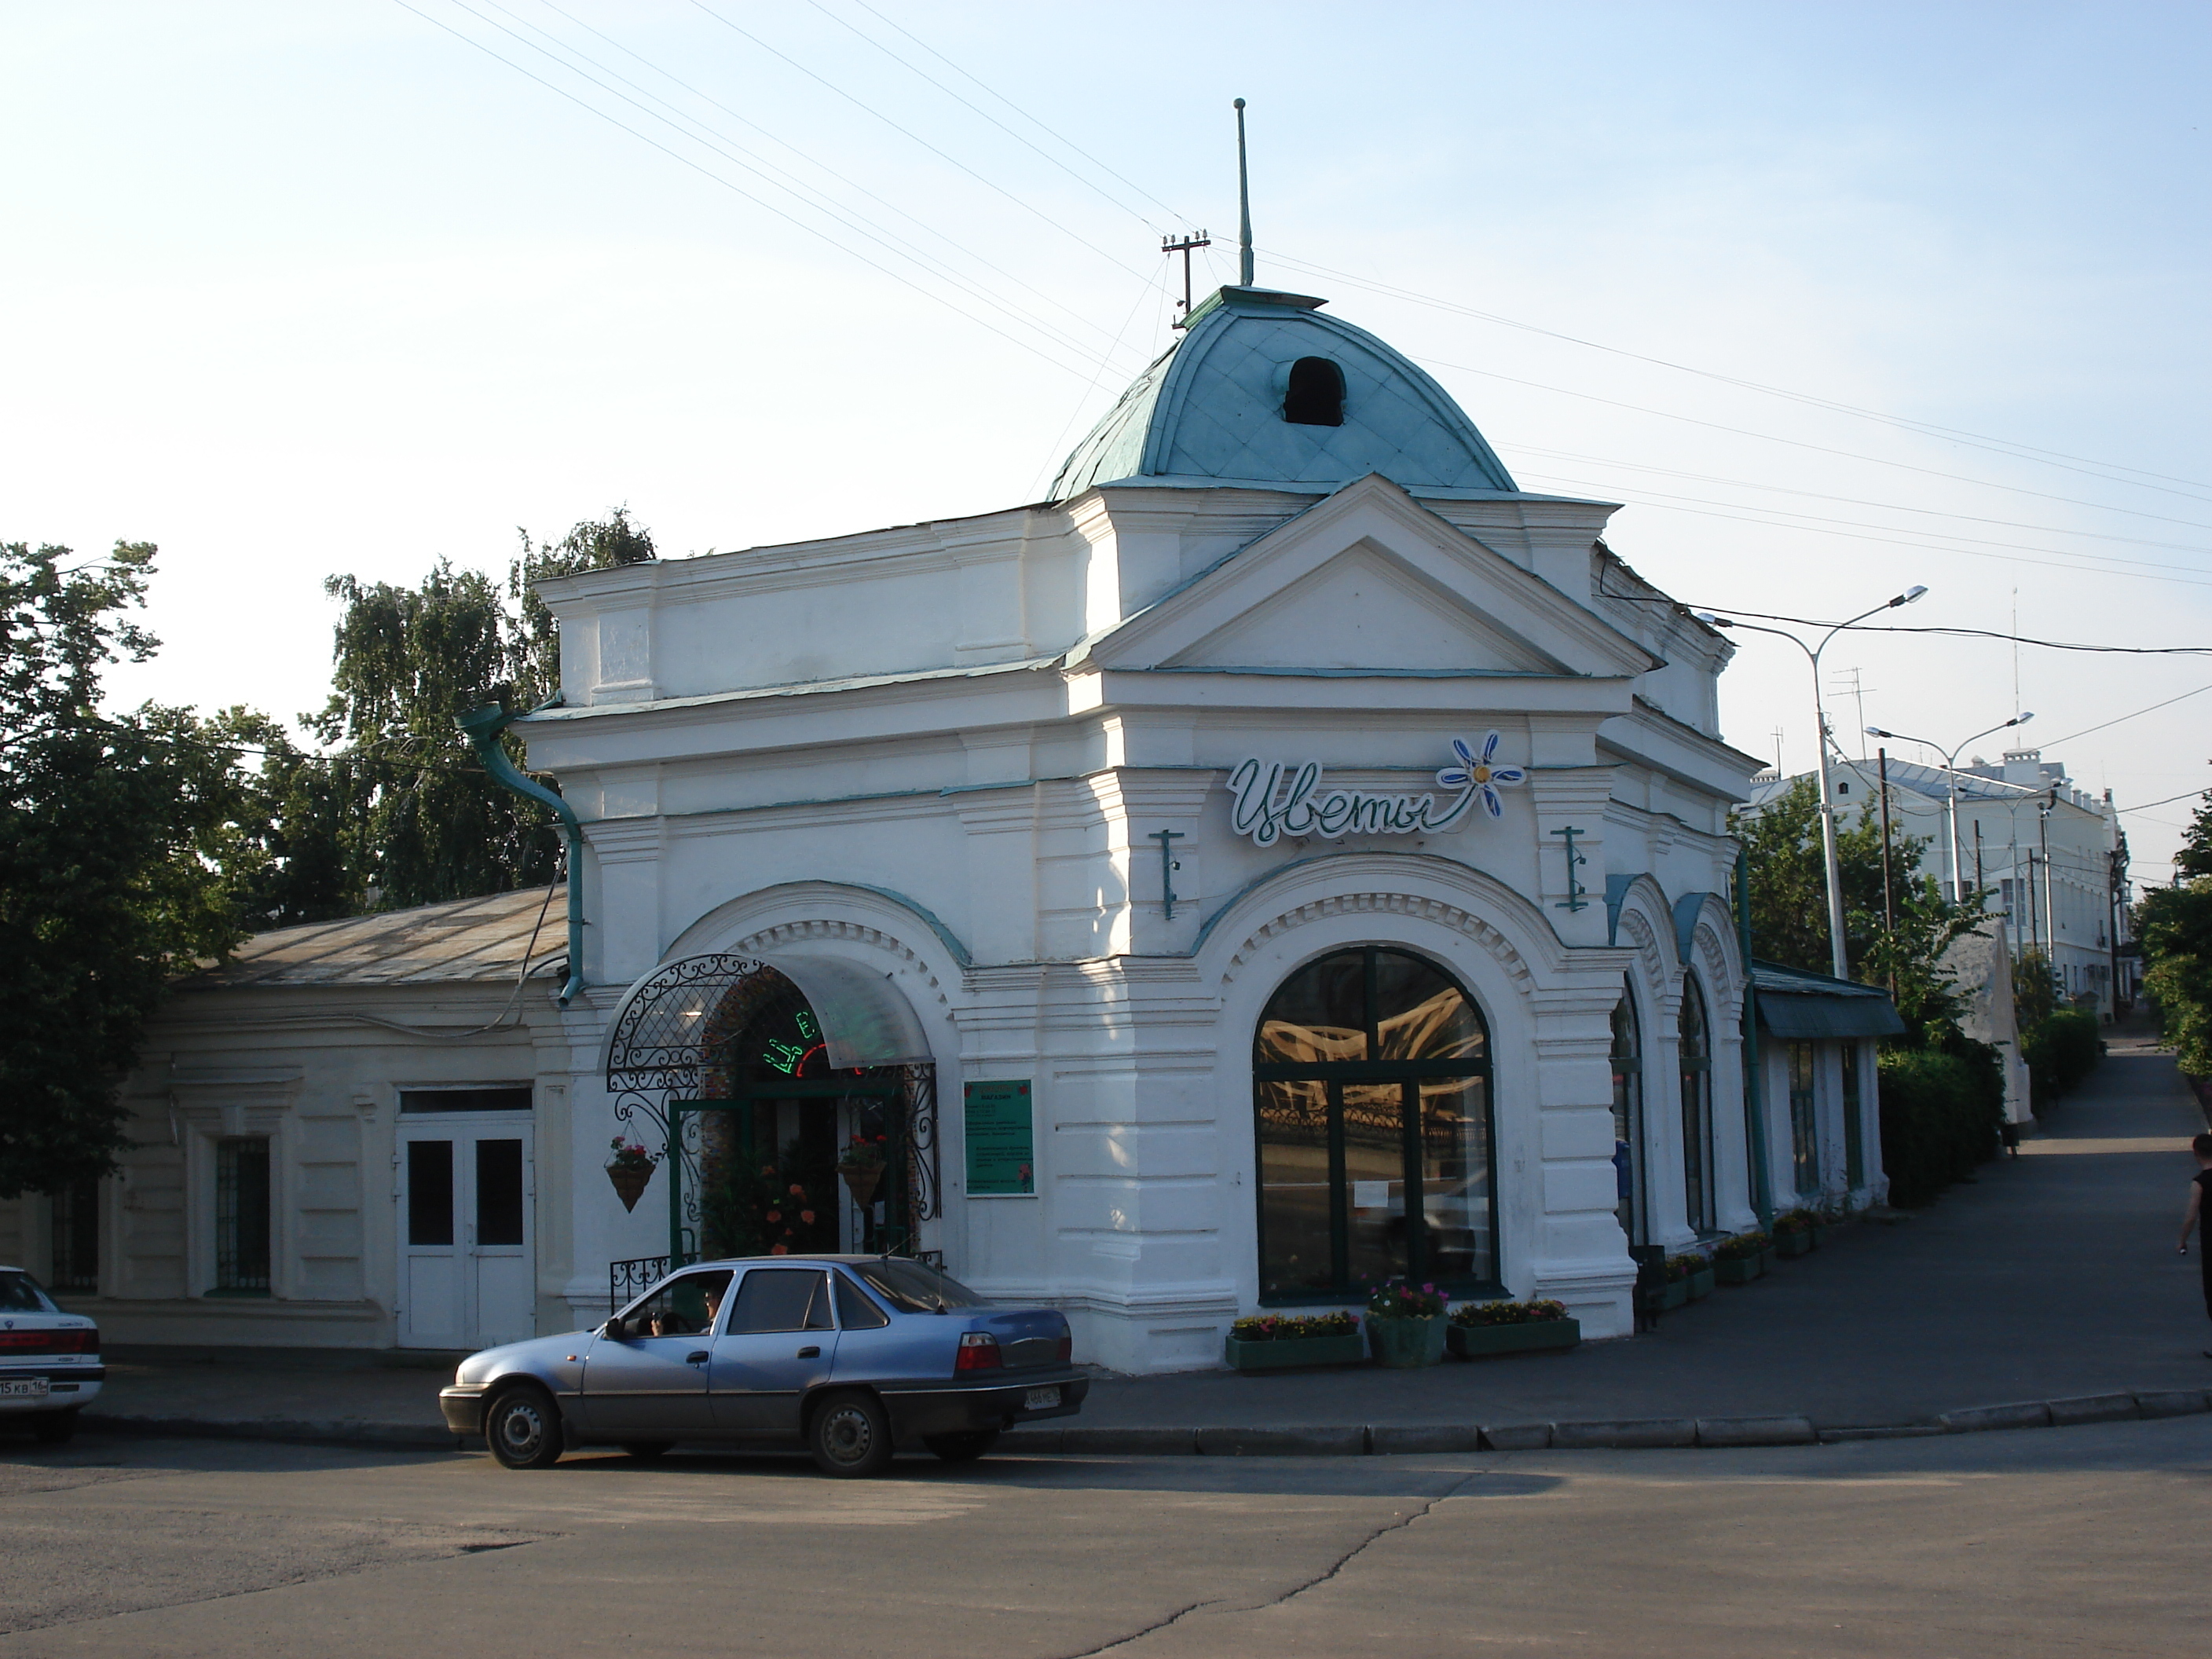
pixel 477 938
pixel 1808 1008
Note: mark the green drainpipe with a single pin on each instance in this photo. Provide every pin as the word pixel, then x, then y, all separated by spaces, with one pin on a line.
pixel 1762 1190
pixel 483 726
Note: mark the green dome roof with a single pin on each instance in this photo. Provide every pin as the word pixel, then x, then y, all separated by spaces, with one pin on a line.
pixel 1210 411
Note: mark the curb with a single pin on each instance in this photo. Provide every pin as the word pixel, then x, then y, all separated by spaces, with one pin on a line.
pixel 1377 1440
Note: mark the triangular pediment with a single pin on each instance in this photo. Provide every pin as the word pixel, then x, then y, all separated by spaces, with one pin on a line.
pixel 1369 580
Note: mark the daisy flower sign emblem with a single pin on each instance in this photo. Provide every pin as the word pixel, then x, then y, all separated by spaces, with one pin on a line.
pixel 1269 801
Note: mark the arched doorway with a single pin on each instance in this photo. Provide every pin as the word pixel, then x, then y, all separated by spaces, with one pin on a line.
pixel 1628 1119
pixel 729 1059
pixel 1371 1090
pixel 1696 1056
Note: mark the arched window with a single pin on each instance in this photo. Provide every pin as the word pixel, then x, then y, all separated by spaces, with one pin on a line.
pixel 1628 1116
pixel 1316 395
pixel 1697 1061
pixel 1371 1091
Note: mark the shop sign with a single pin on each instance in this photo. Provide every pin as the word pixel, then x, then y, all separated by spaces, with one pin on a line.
pixel 1271 800
pixel 1001 1136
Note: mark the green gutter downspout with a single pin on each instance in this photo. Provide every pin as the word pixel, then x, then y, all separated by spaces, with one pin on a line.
pixel 1762 1190
pixel 483 727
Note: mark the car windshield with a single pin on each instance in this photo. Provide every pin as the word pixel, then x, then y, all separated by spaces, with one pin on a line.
pixel 916 1287
pixel 20 1293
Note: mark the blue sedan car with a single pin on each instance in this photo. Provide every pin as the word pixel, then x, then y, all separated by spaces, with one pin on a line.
pixel 847 1356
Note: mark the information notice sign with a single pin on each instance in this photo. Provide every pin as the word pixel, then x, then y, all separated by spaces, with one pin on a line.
pixel 1001 1140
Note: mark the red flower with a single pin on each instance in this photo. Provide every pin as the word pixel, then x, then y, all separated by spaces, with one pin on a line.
pixel 778 1249
pixel 807 1216
pixel 775 1215
pixel 797 1191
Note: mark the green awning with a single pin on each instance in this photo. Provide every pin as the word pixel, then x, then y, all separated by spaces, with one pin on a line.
pixel 1805 1007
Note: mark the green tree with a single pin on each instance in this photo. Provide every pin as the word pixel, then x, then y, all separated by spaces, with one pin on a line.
pixel 124 842
pixel 396 811
pixel 2175 926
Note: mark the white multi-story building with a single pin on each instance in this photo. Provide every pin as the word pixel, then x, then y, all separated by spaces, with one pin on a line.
pixel 2054 857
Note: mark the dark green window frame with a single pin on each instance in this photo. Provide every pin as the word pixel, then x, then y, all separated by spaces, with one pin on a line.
pixel 242 1184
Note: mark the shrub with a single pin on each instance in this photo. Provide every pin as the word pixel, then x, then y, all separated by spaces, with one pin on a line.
pixel 1680 1267
pixel 1508 1313
pixel 1284 1328
pixel 1804 1221
pixel 1941 1116
pixel 1744 1247
pixel 2061 1049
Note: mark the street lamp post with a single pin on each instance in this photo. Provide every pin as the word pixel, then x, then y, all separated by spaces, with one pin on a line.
pixel 1840 962
pixel 1951 786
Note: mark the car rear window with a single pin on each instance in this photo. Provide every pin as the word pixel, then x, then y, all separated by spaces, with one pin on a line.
pixel 20 1293
pixel 916 1287
pixel 782 1299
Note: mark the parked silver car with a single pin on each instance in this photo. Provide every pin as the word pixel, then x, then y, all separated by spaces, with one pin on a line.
pixel 49 1366
pixel 844 1355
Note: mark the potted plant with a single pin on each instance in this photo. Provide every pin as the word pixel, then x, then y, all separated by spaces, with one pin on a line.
pixel 1695 1275
pixel 861 1167
pixel 630 1169
pixel 1406 1325
pixel 1797 1232
pixel 1481 1328
pixel 1740 1259
pixel 1268 1342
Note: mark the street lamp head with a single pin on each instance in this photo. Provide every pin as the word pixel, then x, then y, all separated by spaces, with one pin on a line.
pixel 1711 620
pixel 1876 731
pixel 2021 720
pixel 1908 596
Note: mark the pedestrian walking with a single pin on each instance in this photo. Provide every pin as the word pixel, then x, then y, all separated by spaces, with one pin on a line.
pixel 2197 1218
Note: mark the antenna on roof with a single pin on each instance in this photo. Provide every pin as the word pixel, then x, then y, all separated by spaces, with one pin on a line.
pixel 1183 244
pixel 1243 206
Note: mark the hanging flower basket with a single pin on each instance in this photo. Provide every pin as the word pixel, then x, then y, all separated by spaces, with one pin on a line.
pixel 861 1183
pixel 631 1171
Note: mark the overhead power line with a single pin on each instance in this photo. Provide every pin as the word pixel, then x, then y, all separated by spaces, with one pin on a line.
pixel 2108 471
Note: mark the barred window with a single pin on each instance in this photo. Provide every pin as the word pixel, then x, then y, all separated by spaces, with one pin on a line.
pixel 241 1216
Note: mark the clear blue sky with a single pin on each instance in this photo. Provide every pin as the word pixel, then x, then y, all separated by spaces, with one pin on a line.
pixel 294 289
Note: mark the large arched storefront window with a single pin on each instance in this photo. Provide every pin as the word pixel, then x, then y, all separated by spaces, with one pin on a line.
pixel 1371 1089
pixel 1628 1117
pixel 1697 1060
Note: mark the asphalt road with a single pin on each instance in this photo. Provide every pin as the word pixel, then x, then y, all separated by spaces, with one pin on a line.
pixel 2051 1542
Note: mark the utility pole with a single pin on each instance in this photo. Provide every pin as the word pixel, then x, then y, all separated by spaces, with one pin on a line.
pixel 1889 905
pixel 1184 245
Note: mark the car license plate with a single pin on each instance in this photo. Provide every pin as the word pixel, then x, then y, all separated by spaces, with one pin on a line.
pixel 34 1388
pixel 1038 1400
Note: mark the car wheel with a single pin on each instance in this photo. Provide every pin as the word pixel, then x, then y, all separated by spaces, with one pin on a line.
pixel 646 1451
pixel 523 1428
pixel 850 1436
pixel 54 1428
pixel 964 1448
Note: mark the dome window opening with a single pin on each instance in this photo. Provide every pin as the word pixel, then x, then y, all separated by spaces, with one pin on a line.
pixel 1316 394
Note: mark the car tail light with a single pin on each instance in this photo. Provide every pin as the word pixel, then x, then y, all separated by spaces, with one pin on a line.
pixel 83 1342
pixel 1066 1352
pixel 979 1352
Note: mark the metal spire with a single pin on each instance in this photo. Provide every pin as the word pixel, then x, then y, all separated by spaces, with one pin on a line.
pixel 1243 205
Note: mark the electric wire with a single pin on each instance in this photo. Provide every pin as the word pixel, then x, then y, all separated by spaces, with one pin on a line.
pixel 1899 627
pixel 762 169
pixel 1980 440
pixel 1172 211
pixel 816 162
pixel 1800 443
pixel 1849 500
pixel 739 190
pixel 2119 719
pixel 985 114
pixel 859 103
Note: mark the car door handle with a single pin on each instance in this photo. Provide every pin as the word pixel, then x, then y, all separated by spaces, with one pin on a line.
pixel 697 1356
pixel 809 1354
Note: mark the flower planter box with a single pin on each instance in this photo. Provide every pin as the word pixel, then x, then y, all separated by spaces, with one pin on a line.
pixel 1407 1344
pixel 1739 1270
pixel 1479 1342
pixel 1792 1244
pixel 1700 1284
pixel 1345 1350
pixel 1671 1295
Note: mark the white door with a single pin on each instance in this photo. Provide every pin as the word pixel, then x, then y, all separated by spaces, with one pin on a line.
pixel 466 1273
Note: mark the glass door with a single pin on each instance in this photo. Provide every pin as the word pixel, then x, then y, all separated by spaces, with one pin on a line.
pixel 466 1273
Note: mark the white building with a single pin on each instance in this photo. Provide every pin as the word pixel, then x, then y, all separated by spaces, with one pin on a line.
pixel 2053 856
pixel 1289 856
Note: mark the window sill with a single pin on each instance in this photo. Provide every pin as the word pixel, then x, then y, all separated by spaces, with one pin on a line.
pixel 236 1296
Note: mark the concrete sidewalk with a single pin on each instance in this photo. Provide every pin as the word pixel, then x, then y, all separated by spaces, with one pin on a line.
pixel 2052 1277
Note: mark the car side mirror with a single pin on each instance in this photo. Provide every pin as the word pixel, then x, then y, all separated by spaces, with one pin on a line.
pixel 615 1331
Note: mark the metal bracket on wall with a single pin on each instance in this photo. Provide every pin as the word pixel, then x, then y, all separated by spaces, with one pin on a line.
pixel 1575 899
pixel 1167 838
